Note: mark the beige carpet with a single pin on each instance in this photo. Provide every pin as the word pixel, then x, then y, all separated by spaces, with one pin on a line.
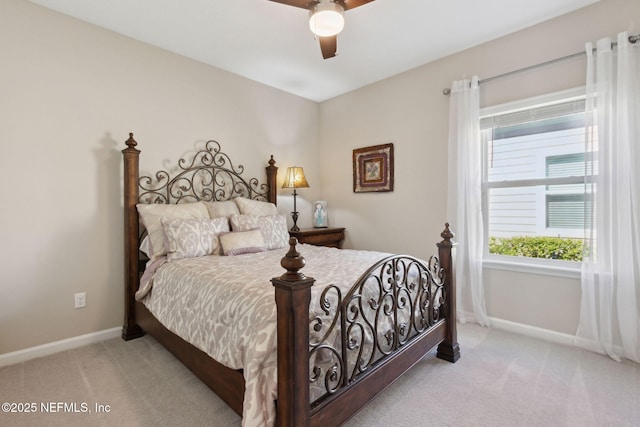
pixel 502 379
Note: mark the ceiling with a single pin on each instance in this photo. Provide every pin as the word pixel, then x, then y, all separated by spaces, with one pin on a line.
pixel 271 43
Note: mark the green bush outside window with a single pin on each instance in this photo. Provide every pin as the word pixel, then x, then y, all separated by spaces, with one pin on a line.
pixel 538 247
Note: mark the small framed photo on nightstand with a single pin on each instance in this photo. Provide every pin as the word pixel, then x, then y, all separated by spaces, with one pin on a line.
pixel 320 214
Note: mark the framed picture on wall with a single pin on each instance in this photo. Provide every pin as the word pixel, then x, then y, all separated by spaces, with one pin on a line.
pixel 373 168
pixel 320 214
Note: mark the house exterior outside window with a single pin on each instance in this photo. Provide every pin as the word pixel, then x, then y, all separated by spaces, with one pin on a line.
pixel 568 207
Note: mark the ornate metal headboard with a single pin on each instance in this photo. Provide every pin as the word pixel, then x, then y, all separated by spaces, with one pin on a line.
pixel 209 176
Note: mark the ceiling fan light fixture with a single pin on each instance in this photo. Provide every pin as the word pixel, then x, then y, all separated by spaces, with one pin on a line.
pixel 326 19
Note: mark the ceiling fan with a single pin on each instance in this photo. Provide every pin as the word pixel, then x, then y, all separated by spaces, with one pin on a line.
pixel 326 19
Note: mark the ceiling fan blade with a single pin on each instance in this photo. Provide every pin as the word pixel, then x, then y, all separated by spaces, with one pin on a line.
pixel 308 4
pixel 304 4
pixel 328 46
pixel 352 4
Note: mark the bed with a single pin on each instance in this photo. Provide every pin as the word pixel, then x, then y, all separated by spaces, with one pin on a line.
pixel 331 336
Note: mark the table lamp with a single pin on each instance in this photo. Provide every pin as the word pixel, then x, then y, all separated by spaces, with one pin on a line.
pixel 295 178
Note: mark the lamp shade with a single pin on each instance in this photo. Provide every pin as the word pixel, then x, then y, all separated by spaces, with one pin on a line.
pixel 326 19
pixel 294 178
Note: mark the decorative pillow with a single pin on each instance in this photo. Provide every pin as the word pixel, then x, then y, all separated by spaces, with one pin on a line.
pixel 242 242
pixel 153 213
pixel 223 208
pixel 255 207
pixel 274 228
pixel 189 238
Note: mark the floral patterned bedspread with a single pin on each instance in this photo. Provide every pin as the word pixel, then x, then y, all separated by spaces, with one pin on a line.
pixel 225 306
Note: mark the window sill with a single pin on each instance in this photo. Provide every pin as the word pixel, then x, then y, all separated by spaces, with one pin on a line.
pixel 571 270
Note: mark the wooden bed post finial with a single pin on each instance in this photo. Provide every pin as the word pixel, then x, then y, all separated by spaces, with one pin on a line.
pixel 447 234
pixel 131 143
pixel 292 262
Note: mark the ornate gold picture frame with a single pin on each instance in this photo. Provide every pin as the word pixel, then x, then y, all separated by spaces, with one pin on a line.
pixel 373 169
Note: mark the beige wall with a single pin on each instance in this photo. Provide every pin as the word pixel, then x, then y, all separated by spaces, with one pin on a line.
pixel 410 110
pixel 69 94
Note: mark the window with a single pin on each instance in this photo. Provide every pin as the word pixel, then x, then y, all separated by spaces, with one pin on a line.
pixel 536 166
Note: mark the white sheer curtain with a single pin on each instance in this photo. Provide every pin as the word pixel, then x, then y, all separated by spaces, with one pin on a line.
pixel 465 203
pixel 610 307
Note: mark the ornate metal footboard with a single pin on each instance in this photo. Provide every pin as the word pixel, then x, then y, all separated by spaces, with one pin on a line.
pixel 396 300
pixel 359 341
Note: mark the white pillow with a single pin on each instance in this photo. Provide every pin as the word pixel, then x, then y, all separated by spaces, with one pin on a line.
pixel 189 238
pixel 145 247
pixel 274 228
pixel 223 208
pixel 242 242
pixel 152 214
pixel 255 207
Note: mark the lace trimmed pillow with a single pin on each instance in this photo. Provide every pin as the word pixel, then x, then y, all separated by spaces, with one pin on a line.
pixel 273 227
pixel 189 238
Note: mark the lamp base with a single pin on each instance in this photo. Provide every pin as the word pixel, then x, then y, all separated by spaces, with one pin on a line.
pixel 295 227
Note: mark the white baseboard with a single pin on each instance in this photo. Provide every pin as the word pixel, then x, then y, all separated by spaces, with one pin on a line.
pixel 533 331
pixel 57 346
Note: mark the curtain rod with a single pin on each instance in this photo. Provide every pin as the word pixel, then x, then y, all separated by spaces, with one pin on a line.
pixel 632 39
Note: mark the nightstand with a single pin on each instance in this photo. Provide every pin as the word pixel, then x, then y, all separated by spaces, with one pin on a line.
pixel 330 236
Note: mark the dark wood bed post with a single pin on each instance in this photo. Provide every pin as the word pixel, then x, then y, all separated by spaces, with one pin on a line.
pixel 272 173
pixel 449 349
pixel 293 296
pixel 131 156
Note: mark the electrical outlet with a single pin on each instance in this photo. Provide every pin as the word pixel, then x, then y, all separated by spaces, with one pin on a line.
pixel 80 300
